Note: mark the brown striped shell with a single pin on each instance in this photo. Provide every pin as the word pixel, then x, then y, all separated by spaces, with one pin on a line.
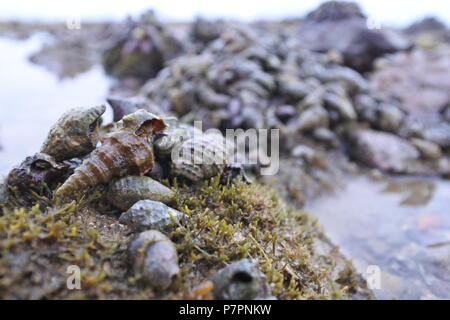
pixel 125 152
pixel 75 134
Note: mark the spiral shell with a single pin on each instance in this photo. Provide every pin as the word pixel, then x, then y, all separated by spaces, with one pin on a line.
pixel 141 123
pixel 154 259
pixel 75 134
pixel 120 154
pixel 125 152
pixel 175 134
pixel 200 157
pixel 126 191
pixel 165 144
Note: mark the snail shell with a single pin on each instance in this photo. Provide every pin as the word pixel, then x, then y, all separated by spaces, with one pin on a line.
pixel 165 144
pixel 126 191
pixel 154 258
pixel 141 123
pixel 125 152
pixel 175 134
pixel 75 134
pixel 120 154
pixel 37 170
pixel 200 157
pixel 241 280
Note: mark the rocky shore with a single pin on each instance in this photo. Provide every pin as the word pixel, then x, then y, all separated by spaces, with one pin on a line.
pixel 110 198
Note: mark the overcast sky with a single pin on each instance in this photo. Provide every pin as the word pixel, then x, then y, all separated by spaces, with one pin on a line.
pixel 388 12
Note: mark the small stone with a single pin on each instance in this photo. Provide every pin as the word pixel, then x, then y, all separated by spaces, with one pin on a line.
pixel 312 118
pixel 439 134
pixel 326 136
pixel 389 117
pixel 304 152
pixel 427 149
pixel 342 105
pixel 149 214
pixel 383 150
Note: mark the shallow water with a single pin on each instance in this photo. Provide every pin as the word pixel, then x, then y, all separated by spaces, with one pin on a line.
pixel 400 225
pixel 32 99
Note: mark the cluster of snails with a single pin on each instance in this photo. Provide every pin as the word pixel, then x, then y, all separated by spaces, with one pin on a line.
pixel 139 143
pixel 129 158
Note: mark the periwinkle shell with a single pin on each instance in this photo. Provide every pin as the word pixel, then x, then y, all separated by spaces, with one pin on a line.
pixel 241 280
pixel 154 259
pixel 125 192
pixel 141 122
pixel 121 153
pixel 200 157
pixel 124 152
pixel 75 134
pixel 37 171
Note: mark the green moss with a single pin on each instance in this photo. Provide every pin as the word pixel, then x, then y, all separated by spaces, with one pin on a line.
pixel 223 224
pixel 228 223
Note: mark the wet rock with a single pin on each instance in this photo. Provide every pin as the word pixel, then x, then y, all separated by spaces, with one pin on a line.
pixel 341 104
pixel 308 154
pixel 341 26
pixel 125 192
pixel 326 136
pixel 154 259
pixel 285 112
pixel 240 281
pixel 313 98
pixel 383 150
pixel 408 78
pixel 388 117
pixel 439 134
pixel 445 112
pixel 312 118
pixel 427 149
pixel 206 31
pixel 366 107
pixel 429 32
pixel 292 87
pixel 382 115
pixel 142 49
pixel 149 214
